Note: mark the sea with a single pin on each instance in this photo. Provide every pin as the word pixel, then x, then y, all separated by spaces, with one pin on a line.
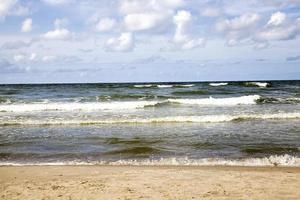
pixel 246 123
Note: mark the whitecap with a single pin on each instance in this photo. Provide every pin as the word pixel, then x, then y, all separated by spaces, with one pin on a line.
pixel 230 101
pixel 218 84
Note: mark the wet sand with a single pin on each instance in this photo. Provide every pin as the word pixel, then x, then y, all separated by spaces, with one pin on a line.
pixel 148 182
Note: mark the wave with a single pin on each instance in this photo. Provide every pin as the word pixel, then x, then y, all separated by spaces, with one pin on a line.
pixel 122 105
pixel 271 161
pixel 4 100
pixel 173 119
pixel 293 100
pixel 218 84
pixel 231 101
pixel 185 85
pixel 192 92
pixel 153 101
pixel 128 96
pixel 257 84
pixel 164 86
pixel 143 86
pixel 76 106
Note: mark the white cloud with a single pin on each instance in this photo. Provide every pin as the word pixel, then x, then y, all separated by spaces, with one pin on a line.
pixel 144 6
pixel 278 29
pixel 244 21
pixel 172 3
pixel 32 56
pixel 5 7
pixel 61 23
pixel 19 57
pixel 11 7
pixel 277 18
pixel 144 21
pixel 58 34
pixel 239 30
pixel 16 44
pixel 26 25
pixel 25 57
pixel 279 33
pixel 183 21
pixel 106 24
pixel 210 12
pixel 48 58
pixel 57 2
pixel 124 42
pixel 261 45
pixel 140 15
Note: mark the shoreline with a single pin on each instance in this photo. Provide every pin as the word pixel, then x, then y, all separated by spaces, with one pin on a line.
pixel 148 182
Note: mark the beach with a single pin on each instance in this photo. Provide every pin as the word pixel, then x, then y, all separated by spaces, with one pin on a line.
pixel 148 182
pixel 201 140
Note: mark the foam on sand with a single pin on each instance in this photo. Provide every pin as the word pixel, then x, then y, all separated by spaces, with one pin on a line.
pixel 271 161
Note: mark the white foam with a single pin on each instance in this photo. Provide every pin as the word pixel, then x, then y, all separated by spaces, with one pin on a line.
pixel 164 86
pixel 173 119
pixel 259 84
pixel 231 101
pixel 123 105
pixel 272 161
pixel 218 84
pixel 76 106
pixel 282 160
pixel 186 85
pixel 143 86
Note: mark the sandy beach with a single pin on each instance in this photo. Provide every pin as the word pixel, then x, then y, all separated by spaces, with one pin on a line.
pixel 145 182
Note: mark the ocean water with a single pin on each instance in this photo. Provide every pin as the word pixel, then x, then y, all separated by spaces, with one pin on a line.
pixel 220 123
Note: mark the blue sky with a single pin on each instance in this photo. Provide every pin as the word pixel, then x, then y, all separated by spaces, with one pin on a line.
pixel 45 41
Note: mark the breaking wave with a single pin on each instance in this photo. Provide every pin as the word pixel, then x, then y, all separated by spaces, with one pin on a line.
pixel 218 84
pixel 257 84
pixel 293 100
pixel 271 161
pixel 143 86
pixel 231 101
pixel 185 85
pixel 76 106
pixel 141 103
pixel 164 86
pixel 173 119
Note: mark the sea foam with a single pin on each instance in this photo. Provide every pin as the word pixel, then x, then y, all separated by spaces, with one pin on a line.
pixel 76 106
pixel 123 105
pixel 231 101
pixel 218 84
pixel 258 84
pixel 169 119
pixel 164 86
pixel 143 86
pixel 271 161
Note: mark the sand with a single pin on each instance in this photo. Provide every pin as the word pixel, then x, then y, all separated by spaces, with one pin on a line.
pixel 143 182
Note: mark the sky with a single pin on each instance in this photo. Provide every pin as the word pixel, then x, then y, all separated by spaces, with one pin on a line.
pixel 70 41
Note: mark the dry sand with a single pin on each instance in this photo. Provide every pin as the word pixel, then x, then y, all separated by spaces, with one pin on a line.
pixel 129 182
